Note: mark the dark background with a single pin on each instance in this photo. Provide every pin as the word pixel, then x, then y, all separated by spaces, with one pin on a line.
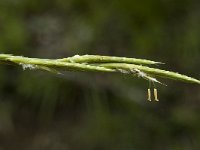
pixel 99 111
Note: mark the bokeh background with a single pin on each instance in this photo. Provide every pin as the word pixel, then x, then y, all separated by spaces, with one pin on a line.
pixel 99 111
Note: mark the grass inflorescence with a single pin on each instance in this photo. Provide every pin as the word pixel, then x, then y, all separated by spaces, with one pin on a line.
pixel 130 66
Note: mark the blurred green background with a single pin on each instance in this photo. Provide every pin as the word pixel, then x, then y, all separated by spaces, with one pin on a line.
pixel 90 111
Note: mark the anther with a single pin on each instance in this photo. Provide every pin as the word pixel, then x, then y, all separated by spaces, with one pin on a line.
pixel 149 95
pixel 155 94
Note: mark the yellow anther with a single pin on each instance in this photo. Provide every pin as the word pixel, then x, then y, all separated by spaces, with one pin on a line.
pixel 149 95
pixel 155 94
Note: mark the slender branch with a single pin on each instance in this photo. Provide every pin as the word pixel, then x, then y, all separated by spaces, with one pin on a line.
pixel 100 64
